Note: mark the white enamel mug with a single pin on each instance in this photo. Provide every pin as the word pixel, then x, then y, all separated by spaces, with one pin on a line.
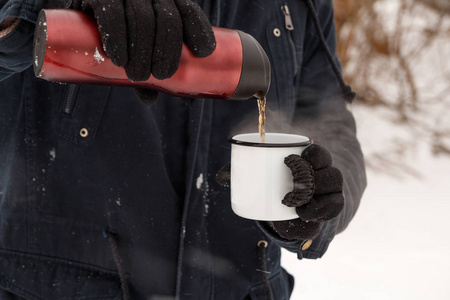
pixel 259 179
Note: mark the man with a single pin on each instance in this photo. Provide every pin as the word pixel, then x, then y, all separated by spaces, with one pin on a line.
pixel 103 197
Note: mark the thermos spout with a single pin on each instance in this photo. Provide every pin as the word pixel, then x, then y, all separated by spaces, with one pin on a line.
pixel 68 49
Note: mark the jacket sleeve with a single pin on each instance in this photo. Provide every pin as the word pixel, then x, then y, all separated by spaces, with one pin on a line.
pixel 16 46
pixel 322 114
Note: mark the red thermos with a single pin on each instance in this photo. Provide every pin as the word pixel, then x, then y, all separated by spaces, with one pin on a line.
pixel 68 49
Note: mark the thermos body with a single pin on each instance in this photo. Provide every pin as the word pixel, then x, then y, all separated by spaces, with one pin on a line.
pixel 68 49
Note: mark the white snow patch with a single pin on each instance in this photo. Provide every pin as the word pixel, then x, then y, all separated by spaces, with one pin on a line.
pixel 52 154
pixel 199 181
pixel 98 57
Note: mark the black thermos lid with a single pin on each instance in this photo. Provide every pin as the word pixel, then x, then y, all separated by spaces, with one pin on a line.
pixel 255 75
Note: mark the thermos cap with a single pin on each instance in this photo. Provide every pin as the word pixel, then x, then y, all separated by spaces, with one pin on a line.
pixel 255 74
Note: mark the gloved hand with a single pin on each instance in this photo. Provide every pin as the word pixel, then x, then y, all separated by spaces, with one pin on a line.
pixel 314 204
pixel 317 193
pixel 146 36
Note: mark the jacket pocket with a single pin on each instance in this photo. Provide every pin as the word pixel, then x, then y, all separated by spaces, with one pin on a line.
pixel 281 286
pixel 35 277
pixel 80 112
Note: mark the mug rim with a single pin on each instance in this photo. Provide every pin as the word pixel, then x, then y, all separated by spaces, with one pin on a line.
pixel 232 140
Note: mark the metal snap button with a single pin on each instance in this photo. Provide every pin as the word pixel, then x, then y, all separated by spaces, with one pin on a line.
pixel 306 244
pixel 84 132
pixel 263 243
pixel 276 32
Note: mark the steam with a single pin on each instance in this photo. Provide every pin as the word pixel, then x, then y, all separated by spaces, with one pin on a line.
pixel 276 121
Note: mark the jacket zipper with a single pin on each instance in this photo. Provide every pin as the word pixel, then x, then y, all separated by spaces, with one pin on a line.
pixel 290 27
pixel 287 18
pixel 69 100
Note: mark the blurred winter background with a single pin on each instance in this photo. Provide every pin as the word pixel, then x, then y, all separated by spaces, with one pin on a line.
pixel 395 54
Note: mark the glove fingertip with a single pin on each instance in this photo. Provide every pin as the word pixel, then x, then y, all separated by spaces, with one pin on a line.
pixel 322 208
pixel 317 156
pixel 162 69
pixel 136 74
pixel 296 198
pixel 291 160
pixel 117 60
pixel 197 31
pixel 146 96
pixel 204 52
pixel 204 48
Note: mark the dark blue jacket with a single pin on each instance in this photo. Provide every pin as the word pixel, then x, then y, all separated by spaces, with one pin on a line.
pixel 146 174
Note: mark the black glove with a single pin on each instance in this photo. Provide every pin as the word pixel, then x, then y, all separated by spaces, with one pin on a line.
pixel 146 36
pixel 314 204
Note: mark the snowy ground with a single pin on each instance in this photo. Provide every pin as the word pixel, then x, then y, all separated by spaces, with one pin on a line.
pixel 398 244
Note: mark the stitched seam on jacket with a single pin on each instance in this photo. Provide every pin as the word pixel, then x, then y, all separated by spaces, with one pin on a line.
pixel 44 258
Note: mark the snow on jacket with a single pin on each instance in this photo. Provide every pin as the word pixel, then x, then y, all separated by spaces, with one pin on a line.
pixel 77 161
